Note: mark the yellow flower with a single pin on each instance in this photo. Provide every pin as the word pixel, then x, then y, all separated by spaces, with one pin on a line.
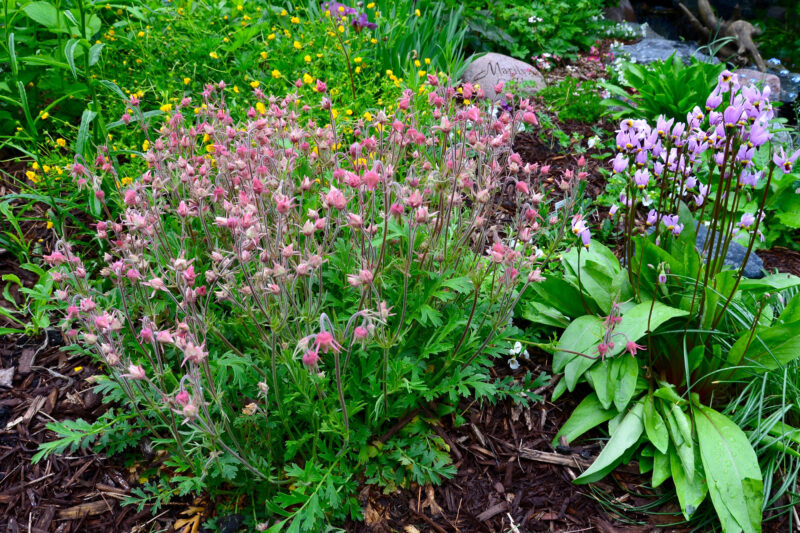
pixel 61 142
pixel 341 29
pixel 334 113
pixel 127 180
pixel 374 40
pixel 45 115
pixel 427 60
pixel 295 20
pixel 255 83
pixel 49 224
pixel 145 145
pixel 140 34
pixel 307 79
pixel 78 368
pixel 35 166
pixel 417 63
pixel 276 74
pixel 297 45
pixel 368 116
pixel 236 89
pixel 46 168
pixel 417 13
pixel 284 12
pixel 210 148
pixel 341 9
pixel 32 176
pixel 187 81
pixel 348 112
pixel 358 70
pixel 307 58
pixel 262 110
pixel 239 7
pixel 422 73
pixel 214 55
pixel 226 40
pixel 166 108
pixel 271 37
pixel 371 5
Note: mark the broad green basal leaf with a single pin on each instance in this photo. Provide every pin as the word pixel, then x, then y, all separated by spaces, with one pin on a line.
pixel 622 439
pixel 732 472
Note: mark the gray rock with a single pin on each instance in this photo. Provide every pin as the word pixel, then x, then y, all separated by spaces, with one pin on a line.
pixel 659 49
pixel 736 252
pixel 492 68
pixel 747 76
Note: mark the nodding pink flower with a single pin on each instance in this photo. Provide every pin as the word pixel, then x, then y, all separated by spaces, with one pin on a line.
pixel 545 170
pixel 78 170
pixel 325 342
pixel 335 199
pixel 613 210
pixel 652 216
pixel 126 118
pixel 396 210
pixel 415 200
pixel 311 358
pixel 632 348
pixel 497 252
pixel 422 216
pixel 298 83
pixel 164 337
pixel 190 411
pixel 784 162
pixel 354 220
pixel 182 398
pixel 283 203
pixel 530 118
pixel 662 278
pixel 183 209
pixel 371 179
pixel 321 87
pixel 131 198
pixel 602 349
pixel 522 187
pixel 134 101
pixel 146 334
pixel 72 311
pixel 473 114
pixel 56 258
pixel 135 372
pixel 433 80
pixel 360 333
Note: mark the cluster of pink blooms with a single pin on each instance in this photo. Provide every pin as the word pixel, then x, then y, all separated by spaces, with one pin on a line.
pixel 248 215
pixel 724 135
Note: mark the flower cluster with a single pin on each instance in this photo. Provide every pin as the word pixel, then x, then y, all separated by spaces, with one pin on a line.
pixel 244 238
pixel 720 141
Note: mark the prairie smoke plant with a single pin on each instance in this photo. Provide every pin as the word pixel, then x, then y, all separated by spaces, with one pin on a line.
pixel 277 294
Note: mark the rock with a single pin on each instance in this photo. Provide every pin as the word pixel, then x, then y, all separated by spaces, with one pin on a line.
pixel 747 76
pixel 753 269
pixel 652 49
pixel 776 12
pixel 621 13
pixel 492 68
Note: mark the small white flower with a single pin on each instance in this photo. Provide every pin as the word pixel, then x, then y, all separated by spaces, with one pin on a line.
pixel 513 364
pixel 516 349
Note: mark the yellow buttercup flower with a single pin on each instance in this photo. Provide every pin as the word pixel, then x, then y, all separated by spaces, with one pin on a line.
pixel 284 12
pixel 295 20
pixel 276 74
pixel 166 108
pixel 297 45
pixel 145 145
pixel 271 37
pixel 187 81
pixel 358 70
pixel 45 115
pixel 140 34
pixel 371 5
pixel 307 79
pixel 368 116
pixel 335 113
pixel 61 142
pixel 307 58
pixel 236 89
pixel 49 224
pixel 417 63
pixel 261 108
pixel 427 60
pixel 214 55
pixel 255 84
pixel 127 180
pixel 46 168
pixel 263 55
pixel 239 7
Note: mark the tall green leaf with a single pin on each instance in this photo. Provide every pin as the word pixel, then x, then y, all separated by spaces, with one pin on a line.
pixel 732 472
pixel 622 439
